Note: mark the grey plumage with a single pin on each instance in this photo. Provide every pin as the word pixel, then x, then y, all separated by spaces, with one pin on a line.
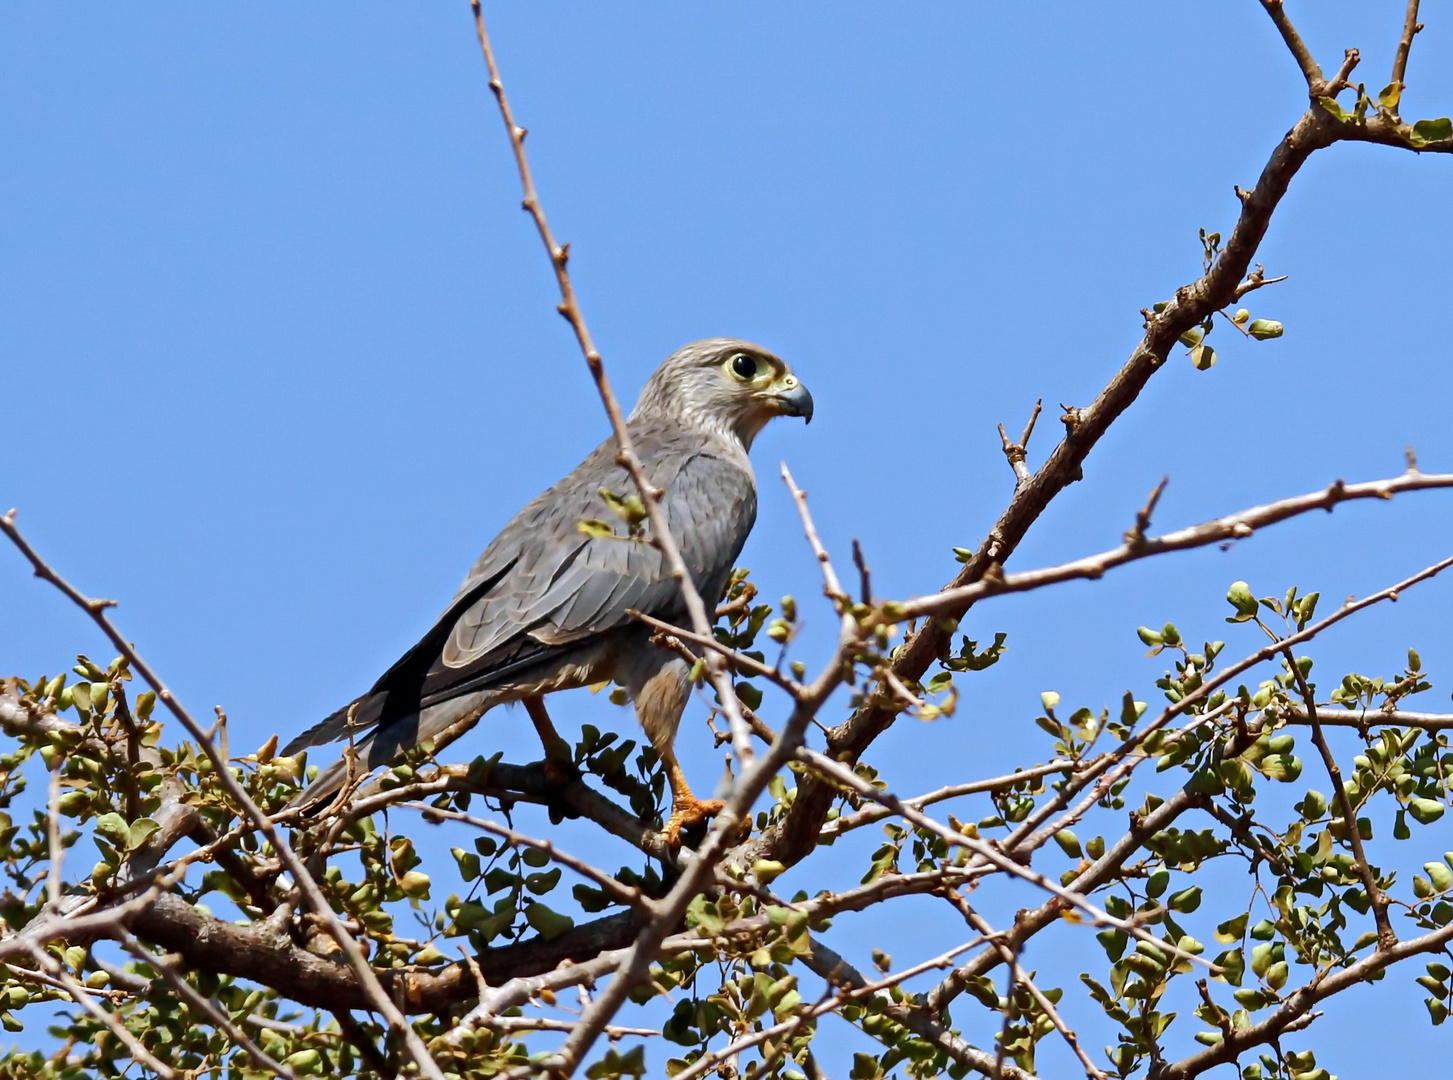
pixel 546 606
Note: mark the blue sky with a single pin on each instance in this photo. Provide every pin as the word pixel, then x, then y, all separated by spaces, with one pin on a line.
pixel 280 354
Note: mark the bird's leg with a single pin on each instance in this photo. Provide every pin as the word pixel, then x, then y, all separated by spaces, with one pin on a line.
pixel 686 808
pixel 559 763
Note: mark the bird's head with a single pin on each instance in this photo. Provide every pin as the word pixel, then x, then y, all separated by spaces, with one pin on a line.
pixel 726 386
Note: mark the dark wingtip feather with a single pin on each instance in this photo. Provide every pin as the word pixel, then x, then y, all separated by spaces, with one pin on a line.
pixel 330 729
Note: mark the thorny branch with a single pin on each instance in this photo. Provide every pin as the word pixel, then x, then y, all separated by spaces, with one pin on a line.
pixel 627 457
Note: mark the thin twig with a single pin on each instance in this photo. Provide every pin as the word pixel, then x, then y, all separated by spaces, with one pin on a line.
pixel 626 456
pixel 870 814
pixel 55 882
pixel 82 998
pixel 865 576
pixel 1316 84
pixel 734 658
pixel 206 1006
pixel 1136 535
pixel 1015 453
pixel 995 939
pixel 704 1064
pixel 1386 938
pixel 841 774
pixel 832 588
pixel 1405 45
pixel 1236 526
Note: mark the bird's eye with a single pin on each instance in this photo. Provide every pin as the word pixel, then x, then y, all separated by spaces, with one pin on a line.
pixel 744 367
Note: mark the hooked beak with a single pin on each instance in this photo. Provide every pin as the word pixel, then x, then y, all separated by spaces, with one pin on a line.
pixel 793 399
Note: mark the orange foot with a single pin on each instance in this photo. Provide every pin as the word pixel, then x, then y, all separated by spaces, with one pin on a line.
pixel 686 813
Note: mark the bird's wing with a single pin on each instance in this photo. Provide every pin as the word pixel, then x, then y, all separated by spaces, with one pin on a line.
pixel 566 587
pixel 544 590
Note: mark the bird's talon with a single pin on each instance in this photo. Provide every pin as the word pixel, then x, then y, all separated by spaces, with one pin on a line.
pixel 687 814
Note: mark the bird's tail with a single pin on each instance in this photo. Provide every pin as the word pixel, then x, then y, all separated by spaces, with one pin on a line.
pixel 442 723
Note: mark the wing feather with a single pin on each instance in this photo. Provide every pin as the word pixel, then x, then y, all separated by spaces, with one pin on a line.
pixel 543 589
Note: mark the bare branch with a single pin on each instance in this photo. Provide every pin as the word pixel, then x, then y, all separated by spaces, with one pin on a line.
pixel 1236 526
pixel 831 586
pixel 735 659
pixel 988 852
pixel 829 965
pixel 707 1062
pixel 1411 26
pixel 870 814
pixel 627 457
pixel 865 577
pixel 1015 452
pixel 1364 719
pixel 1136 536
pixel 1317 86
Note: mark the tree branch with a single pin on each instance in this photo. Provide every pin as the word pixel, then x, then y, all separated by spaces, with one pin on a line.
pixel 1375 896
pixel 627 457
pixel 380 1001
pixel 1238 526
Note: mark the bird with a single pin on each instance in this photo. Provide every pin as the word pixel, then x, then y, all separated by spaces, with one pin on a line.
pixel 549 604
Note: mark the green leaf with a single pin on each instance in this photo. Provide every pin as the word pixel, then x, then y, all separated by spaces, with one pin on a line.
pixel 1262 957
pixel 1232 929
pixel 1330 104
pixel 550 924
pixel 468 863
pixel 1282 767
pixel 749 695
pixel 542 882
pixel 1313 805
pixel 1185 901
pixel 1389 96
pixel 1424 811
pixel 139 832
pixel 1113 942
pixel 1232 963
pixel 767 870
pixel 1069 843
pixel 595 528
pixel 1239 596
pixel 114 828
pixel 1203 357
pixel 1262 329
pixel 1434 130
pixel 415 885
pixel 1276 975
pixel 590 900
pixel 1439 875
pixel 1157 882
